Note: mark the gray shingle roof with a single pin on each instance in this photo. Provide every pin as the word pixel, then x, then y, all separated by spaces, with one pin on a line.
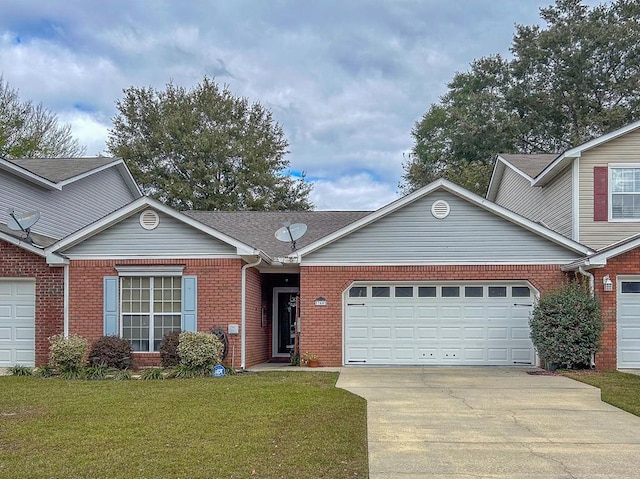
pixel 38 239
pixel 257 228
pixel 530 164
pixel 60 169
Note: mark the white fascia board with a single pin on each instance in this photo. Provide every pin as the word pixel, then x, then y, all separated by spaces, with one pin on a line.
pixel 496 178
pixel 22 244
pixel 27 175
pixel 460 192
pixel 433 263
pixel 600 258
pixel 551 171
pixel 139 205
pixel 73 179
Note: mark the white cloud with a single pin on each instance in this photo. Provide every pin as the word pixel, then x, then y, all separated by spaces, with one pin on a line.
pixel 355 192
pixel 91 132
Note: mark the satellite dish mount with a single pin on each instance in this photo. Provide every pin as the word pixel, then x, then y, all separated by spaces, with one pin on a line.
pixel 23 222
pixel 291 233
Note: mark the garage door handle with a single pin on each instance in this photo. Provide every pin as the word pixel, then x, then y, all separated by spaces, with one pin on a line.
pixel 355 304
pixel 522 304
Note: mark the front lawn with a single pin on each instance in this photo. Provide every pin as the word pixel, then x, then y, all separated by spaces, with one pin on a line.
pixel 619 389
pixel 253 425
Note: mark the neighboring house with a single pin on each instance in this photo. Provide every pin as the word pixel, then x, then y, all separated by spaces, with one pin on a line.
pixel 439 277
pixel 68 194
pixel 591 194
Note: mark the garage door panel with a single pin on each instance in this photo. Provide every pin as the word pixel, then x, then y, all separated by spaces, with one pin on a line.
pixel 497 354
pixel 427 312
pixel 357 333
pixel 521 355
pixel 474 333
pixel 381 312
pixel 448 313
pixel 404 354
pixel 628 323
pixel 427 333
pixel 447 333
pixel 474 312
pixel 404 333
pixel 381 354
pixel 404 312
pixel 17 323
pixel 630 332
pixel 497 333
pixel 520 333
pixel 474 354
pixel 380 333
pixel 430 354
pixel 451 354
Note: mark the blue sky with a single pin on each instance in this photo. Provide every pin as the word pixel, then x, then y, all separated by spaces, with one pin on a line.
pixel 346 79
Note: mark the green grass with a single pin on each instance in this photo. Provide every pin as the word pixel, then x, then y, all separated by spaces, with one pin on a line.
pixel 618 389
pixel 266 425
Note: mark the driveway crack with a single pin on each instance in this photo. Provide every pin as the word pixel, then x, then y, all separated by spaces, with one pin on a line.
pixel 552 459
pixel 451 394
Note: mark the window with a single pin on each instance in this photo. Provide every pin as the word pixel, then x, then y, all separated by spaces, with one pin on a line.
pixel 497 291
pixel 631 287
pixel 427 292
pixel 625 193
pixel 520 292
pixel 404 291
pixel 151 307
pixel 473 291
pixel 450 291
pixel 380 291
pixel 358 292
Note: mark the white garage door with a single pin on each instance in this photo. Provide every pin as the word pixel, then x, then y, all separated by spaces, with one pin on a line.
pixel 17 323
pixel 629 323
pixel 444 324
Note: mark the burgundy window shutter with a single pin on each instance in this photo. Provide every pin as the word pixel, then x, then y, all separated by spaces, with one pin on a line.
pixel 600 193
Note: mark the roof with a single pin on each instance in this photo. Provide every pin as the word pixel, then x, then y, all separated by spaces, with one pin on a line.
pixel 530 164
pixel 257 228
pixel 60 169
pixel 38 239
pixel 55 173
pixel 600 257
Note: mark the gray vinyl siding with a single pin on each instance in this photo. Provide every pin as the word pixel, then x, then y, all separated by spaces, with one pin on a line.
pixel 171 238
pixel 63 212
pixel 469 234
pixel 551 205
pixel 598 234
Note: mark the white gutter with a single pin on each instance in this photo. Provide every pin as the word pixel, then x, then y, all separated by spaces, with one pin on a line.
pixel 243 311
pixel 584 272
pixel 66 300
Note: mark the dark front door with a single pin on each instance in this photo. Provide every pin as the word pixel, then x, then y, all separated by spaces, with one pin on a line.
pixel 284 329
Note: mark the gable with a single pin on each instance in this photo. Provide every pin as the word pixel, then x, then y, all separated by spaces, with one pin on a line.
pixel 470 234
pixel 171 238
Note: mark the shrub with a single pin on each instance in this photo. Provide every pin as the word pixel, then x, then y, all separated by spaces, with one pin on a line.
pixel 199 351
pixel 67 354
pixel 112 352
pixel 98 371
pixel 44 371
pixel 169 349
pixel 123 375
pixel 566 325
pixel 152 373
pixel 18 370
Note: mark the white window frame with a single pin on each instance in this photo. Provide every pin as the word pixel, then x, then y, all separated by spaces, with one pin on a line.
pixel 124 272
pixel 610 192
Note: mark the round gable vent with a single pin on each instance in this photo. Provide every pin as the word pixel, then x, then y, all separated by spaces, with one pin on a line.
pixel 440 209
pixel 149 219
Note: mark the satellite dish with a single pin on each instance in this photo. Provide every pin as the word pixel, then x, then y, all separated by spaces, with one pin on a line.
pixel 291 233
pixel 23 222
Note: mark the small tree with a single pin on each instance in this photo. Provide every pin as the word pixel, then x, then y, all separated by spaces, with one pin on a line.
pixel 566 325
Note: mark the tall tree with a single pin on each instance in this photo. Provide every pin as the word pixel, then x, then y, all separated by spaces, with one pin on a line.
pixel 566 84
pixel 30 130
pixel 205 149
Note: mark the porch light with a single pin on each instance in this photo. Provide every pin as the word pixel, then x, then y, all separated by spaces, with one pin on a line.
pixel 608 284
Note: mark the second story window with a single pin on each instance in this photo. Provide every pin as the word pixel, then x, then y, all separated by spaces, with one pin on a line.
pixel 624 188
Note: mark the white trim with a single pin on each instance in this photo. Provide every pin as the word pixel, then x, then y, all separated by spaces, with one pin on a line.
pixel 599 259
pixel 73 179
pixel 619 279
pixel 65 302
pixel 150 270
pixel 135 207
pixel 575 200
pixel 275 323
pixel 158 257
pixel 434 263
pixel 458 191
pixel 613 166
pixel 25 174
pixel 22 244
pixel 550 171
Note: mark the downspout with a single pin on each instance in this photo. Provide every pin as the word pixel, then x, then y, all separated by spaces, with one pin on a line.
pixel 243 311
pixel 584 272
pixel 65 301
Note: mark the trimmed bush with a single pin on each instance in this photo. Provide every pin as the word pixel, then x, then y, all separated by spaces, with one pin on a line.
pixel 199 352
pixel 111 352
pixel 169 349
pixel 566 326
pixel 67 354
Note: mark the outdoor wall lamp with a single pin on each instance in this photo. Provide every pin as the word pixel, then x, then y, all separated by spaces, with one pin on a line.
pixel 608 284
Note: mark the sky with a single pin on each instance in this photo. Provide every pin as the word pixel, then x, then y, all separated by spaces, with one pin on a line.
pixel 346 79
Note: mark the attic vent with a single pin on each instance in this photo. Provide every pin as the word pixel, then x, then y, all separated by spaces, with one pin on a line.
pixel 149 219
pixel 440 209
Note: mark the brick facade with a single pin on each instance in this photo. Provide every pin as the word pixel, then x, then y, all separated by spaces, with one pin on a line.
pixel 321 326
pixel 624 264
pixel 19 263
pixel 219 299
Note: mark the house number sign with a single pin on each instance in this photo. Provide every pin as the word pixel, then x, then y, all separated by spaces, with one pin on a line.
pixel 321 301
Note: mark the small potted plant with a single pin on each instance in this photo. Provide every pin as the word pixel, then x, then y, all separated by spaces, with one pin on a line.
pixel 311 359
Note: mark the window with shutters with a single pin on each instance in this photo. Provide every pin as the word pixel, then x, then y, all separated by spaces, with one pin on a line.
pixel 150 307
pixel 624 193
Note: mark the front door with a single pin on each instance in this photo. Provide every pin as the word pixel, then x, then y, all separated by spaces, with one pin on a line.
pixel 284 317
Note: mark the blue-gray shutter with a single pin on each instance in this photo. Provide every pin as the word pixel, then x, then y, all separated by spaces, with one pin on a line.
pixel 110 311
pixel 189 303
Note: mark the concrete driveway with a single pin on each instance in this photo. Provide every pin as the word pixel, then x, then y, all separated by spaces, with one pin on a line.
pixel 491 423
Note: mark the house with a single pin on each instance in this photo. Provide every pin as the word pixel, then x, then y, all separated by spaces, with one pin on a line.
pixel 441 276
pixel 68 194
pixel 591 194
